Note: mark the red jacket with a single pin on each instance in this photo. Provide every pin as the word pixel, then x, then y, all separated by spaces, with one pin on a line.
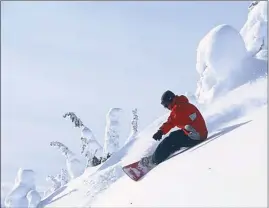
pixel 184 113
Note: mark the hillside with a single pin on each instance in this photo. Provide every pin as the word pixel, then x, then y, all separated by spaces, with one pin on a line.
pixel 229 156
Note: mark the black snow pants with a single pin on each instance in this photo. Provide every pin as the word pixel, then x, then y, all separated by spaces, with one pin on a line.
pixel 171 144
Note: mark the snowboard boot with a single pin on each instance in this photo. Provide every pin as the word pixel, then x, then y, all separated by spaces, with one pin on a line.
pixel 147 162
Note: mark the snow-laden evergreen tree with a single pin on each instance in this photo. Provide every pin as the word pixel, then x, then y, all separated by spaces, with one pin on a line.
pixel 134 122
pixel 64 177
pixel 252 4
pixel 111 143
pixel 64 149
pixel 91 148
pixel 78 123
pixel 89 156
pixel 74 166
pixel 92 160
pixel 134 126
pixel 89 142
pixel 55 183
pixel 255 33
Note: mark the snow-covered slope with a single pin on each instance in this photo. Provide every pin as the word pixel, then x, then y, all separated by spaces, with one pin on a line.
pixel 230 169
pixel 236 155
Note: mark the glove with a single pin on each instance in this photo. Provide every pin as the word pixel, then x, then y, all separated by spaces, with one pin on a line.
pixel 158 135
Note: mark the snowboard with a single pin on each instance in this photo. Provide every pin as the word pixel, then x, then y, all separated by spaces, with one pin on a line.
pixel 137 170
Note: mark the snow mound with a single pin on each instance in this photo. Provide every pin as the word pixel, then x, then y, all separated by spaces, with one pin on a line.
pixel 25 177
pixel 220 53
pixel 222 50
pixel 23 193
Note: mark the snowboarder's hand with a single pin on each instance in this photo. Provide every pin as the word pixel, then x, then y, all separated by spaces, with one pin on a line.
pixel 158 135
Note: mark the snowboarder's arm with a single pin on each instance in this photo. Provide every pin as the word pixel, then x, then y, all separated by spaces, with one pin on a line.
pixel 167 126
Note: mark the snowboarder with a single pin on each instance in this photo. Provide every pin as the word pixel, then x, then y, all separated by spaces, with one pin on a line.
pixel 189 120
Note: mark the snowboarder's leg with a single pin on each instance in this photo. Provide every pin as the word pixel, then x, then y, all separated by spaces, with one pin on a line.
pixel 172 143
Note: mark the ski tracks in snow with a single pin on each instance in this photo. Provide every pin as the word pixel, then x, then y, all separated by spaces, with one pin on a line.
pixel 101 180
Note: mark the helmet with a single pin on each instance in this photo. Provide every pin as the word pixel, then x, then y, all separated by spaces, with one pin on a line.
pixel 167 98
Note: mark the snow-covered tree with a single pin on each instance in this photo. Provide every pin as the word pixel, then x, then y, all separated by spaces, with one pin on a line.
pixel 78 123
pixel 252 4
pixel 55 183
pixel 254 31
pixel 23 190
pixel 134 122
pixel 89 156
pixel 92 160
pixel 89 142
pixel 91 148
pixel 134 128
pixel 64 149
pixel 64 177
pixel 74 166
pixel 111 143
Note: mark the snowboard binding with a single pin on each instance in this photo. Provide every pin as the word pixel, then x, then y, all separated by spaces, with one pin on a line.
pixel 147 162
